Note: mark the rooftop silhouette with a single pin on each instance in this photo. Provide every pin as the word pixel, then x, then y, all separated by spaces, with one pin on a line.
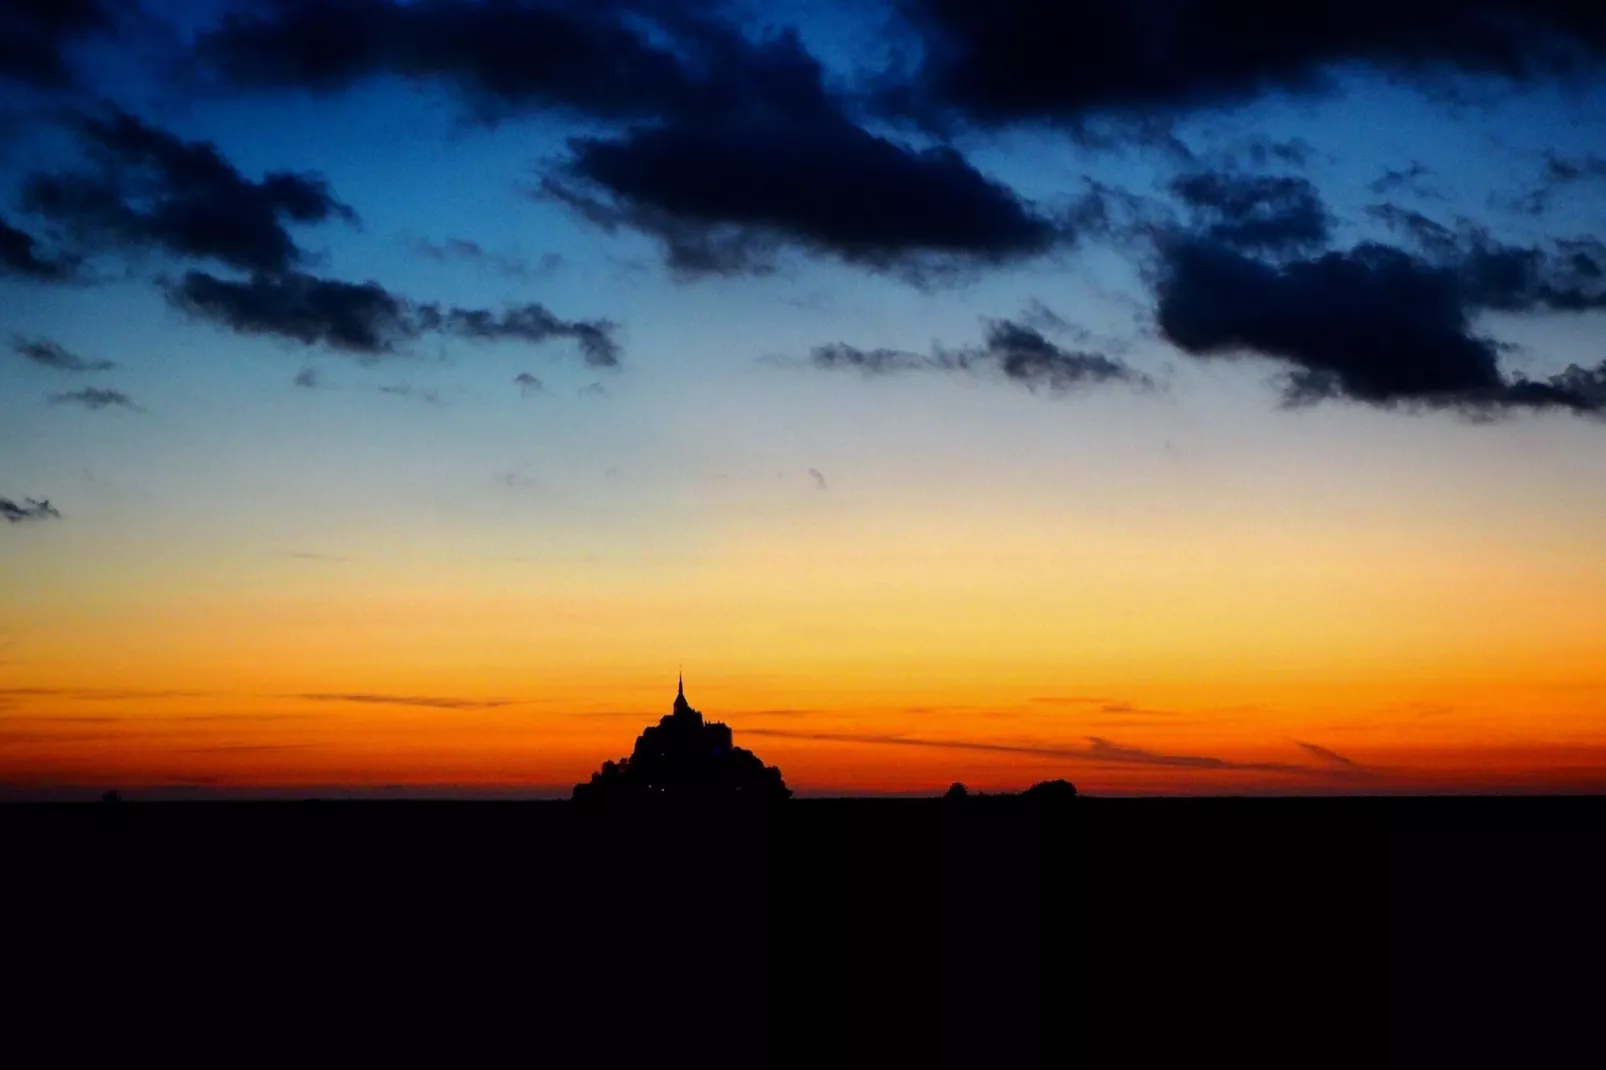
pixel 683 757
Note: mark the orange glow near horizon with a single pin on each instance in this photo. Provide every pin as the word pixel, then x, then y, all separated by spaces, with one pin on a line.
pixel 932 650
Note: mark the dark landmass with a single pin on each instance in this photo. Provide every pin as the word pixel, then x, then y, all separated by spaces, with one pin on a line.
pixel 684 758
pixel 988 931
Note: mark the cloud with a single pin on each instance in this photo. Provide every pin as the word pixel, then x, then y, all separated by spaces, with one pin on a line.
pixel 306 378
pixel 413 393
pixel 1256 213
pixel 535 324
pixel 528 384
pixel 94 398
pixel 1379 324
pixel 739 148
pixel 819 480
pixel 1026 357
pixel 1412 179
pixel 361 318
pixel 434 702
pixel 1560 172
pixel 19 255
pixel 368 320
pixel 147 188
pixel 98 694
pixel 723 198
pixel 1097 750
pixel 53 355
pixel 1048 61
pixel 588 58
pixel 30 509
pixel 36 35
pixel 1019 353
pixel 1331 756
pixel 462 249
pixel 1566 171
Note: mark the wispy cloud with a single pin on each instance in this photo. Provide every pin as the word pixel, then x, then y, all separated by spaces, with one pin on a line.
pixel 434 702
pixel 1098 750
pixel 1330 756
pixel 95 398
pixel 30 509
pixel 109 694
pixel 50 354
pixel 412 393
pixel 464 250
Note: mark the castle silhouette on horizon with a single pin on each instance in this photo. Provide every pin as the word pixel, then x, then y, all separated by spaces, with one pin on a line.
pixel 684 757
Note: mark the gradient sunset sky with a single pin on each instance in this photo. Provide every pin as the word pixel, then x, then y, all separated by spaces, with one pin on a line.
pixel 1175 396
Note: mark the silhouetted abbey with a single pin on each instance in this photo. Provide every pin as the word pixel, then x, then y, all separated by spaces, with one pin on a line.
pixel 683 757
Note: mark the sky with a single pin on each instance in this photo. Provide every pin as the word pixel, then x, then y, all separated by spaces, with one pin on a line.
pixel 1174 396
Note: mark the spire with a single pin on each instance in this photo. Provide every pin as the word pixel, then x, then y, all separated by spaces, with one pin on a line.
pixel 681 705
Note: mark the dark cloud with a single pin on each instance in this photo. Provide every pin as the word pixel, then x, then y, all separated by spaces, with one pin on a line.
pixel 92 397
pixel 594 59
pixel 1020 353
pixel 368 320
pixel 19 255
pixel 306 379
pixel 723 198
pixel 147 188
pixel 53 355
pixel 740 147
pixel 434 702
pixel 535 324
pixel 35 36
pixel 1377 323
pixel 819 479
pixel 1256 213
pixel 1045 60
pixel 361 318
pixel 30 509
pixel 528 384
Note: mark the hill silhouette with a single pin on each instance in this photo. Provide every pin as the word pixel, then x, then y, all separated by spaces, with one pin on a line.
pixel 684 758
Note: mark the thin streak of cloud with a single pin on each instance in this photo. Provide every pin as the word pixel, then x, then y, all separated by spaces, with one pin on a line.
pixel 107 694
pixel 94 398
pixel 1331 756
pixel 434 702
pixel 1099 750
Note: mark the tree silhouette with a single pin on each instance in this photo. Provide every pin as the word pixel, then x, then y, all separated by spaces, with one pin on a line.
pixel 1051 791
pixel 683 757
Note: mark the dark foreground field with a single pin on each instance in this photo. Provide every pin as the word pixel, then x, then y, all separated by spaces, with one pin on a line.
pixel 1107 933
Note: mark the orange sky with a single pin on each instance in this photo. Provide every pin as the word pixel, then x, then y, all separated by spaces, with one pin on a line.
pixel 931 652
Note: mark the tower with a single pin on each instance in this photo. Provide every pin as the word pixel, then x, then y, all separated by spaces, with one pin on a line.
pixel 681 705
